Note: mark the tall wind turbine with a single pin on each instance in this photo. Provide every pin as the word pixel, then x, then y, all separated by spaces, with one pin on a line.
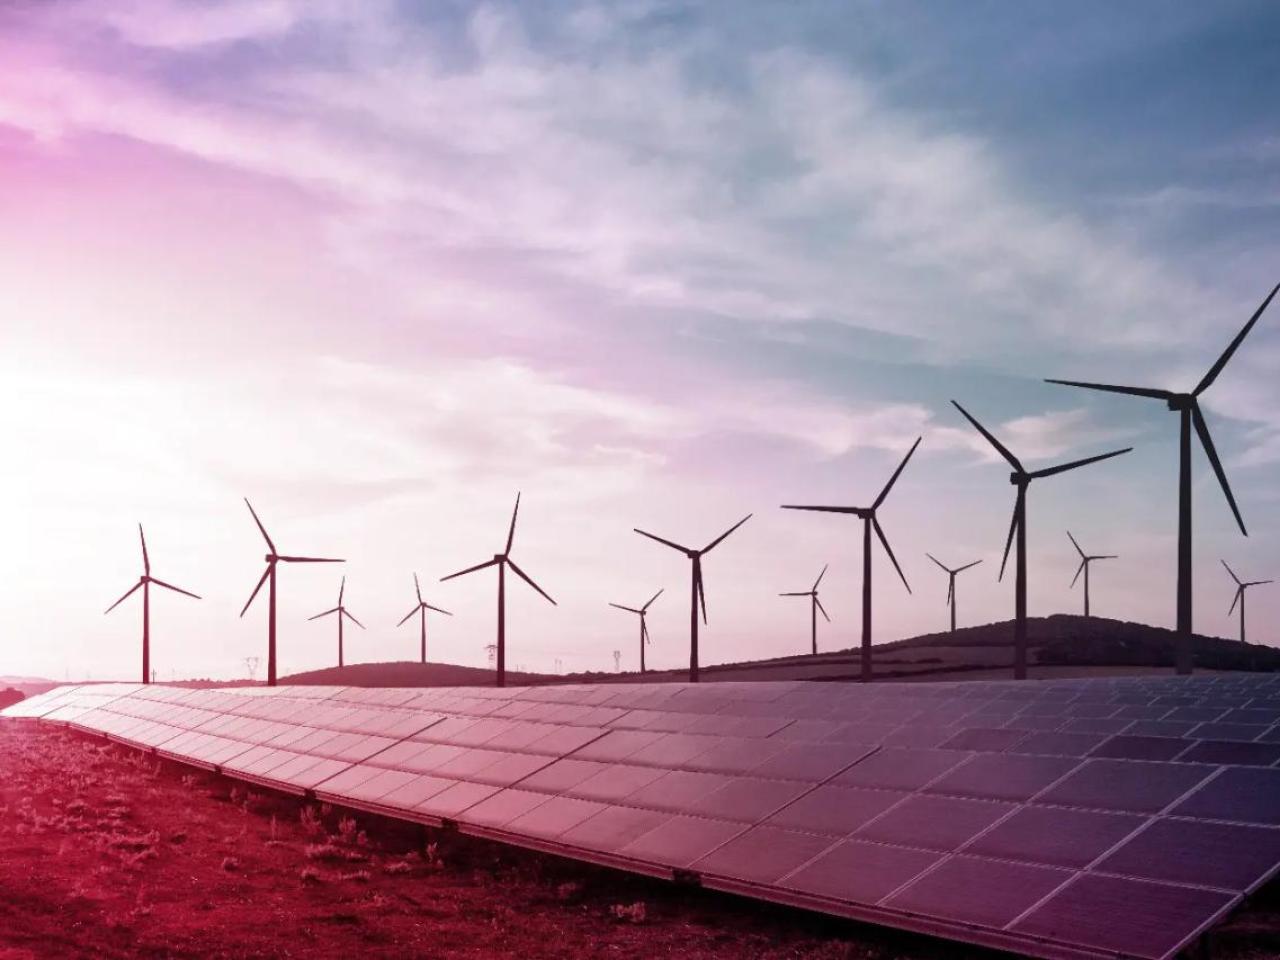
pixel 644 627
pixel 1187 406
pixel 1085 560
pixel 269 577
pixel 951 584
pixel 145 582
pixel 341 611
pixel 1241 587
pixel 696 593
pixel 502 561
pixel 814 606
pixel 1021 478
pixel 421 609
pixel 869 522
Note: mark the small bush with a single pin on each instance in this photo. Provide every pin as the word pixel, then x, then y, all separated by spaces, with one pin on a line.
pixel 324 852
pixel 632 913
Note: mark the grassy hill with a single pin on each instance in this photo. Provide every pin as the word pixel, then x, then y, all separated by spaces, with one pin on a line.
pixel 1060 645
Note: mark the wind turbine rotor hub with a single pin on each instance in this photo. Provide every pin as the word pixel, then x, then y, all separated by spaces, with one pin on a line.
pixel 1019 479
pixel 271 558
pixel 499 557
pixel 1182 401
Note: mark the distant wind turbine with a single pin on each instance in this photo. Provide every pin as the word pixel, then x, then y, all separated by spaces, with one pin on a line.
pixel 421 609
pixel 1085 560
pixel 145 582
pixel 644 627
pixel 697 594
pixel 1187 406
pixel 341 611
pixel 814 606
pixel 1021 478
pixel 1241 587
pixel 869 522
pixel 269 577
pixel 951 584
pixel 502 561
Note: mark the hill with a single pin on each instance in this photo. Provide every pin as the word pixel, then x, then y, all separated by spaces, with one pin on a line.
pixel 1059 645
pixel 408 674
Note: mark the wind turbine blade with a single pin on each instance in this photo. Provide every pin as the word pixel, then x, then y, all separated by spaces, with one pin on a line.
pixel 342 588
pixel 1106 556
pixel 1233 346
pixel 261 528
pixel 937 561
pixel 170 586
pixel 651 599
pixel 889 550
pixel 525 577
pixel 820 576
pixel 893 479
pixel 416 587
pixel 1064 467
pixel 822 609
pixel 1076 545
pixel 325 614
pixel 794 506
pixel 1211 452
pixel 128 593
pixel 717 540
pixel 1232 572
pixel 438 609
pixel 352 619
pixel 1079 570
pixel 1239 594
pixel 1013 528
pixel 511 533
pixel 621 607
pixel 1112 388
pixel 644 632
pixel 652 536
pixel 702 595
pixel 798 593
pixel 265 573
pixel 408 615
pixel 967 566
pixel 1258 583
pixel 146 561
pixel 311 560
pixel 1000 447
pixel 951 590
pixel 478 566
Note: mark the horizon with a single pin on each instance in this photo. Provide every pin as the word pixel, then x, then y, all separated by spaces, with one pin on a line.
pixel 379 270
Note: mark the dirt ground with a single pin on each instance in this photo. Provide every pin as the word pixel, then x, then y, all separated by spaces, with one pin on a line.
pixel 106 852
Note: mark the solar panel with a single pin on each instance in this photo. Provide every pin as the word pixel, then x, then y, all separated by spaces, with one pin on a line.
pixel 1063 819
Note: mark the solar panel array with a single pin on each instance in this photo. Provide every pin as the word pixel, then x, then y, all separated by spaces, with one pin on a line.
pixel 1062 819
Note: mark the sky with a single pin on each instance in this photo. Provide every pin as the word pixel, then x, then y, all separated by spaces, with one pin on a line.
pixel 377 266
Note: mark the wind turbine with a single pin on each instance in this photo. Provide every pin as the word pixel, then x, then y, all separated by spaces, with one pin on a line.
pixel 421 609
pixel 1021 478
pixel 1241 587
pixel 869 522
pixel 814 606
pixel 696 592
pixel 145 582
pixel 502 561
pixel 269 574
pixel 341 611
pixel 644 628
pixel 1085 560
pixel 951 584
pixel 1187 406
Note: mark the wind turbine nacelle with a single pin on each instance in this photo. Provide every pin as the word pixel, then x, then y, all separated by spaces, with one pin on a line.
pixel 1181 401
pixel 1019 479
